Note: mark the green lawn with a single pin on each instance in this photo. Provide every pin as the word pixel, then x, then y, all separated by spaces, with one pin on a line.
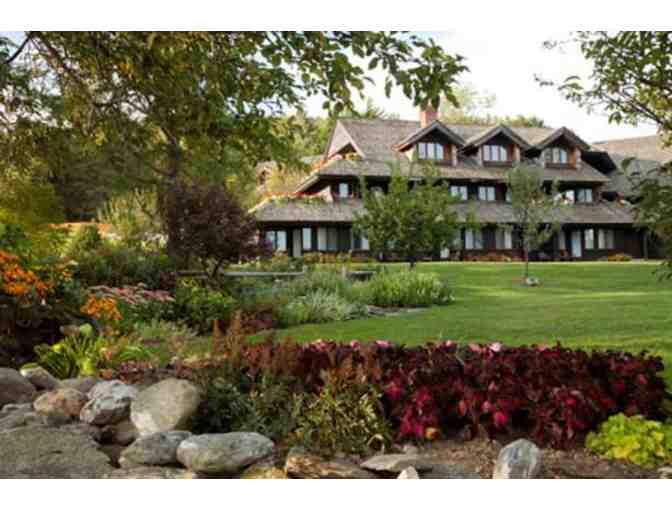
pixel 605 305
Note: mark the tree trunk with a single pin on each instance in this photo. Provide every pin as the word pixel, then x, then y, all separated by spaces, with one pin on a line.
pixel 168 186
pixel 526 255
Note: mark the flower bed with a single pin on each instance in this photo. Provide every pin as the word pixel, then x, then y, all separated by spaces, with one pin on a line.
pixel 554 395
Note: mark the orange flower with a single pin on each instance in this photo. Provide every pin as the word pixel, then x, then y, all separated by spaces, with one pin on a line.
pixel 104 309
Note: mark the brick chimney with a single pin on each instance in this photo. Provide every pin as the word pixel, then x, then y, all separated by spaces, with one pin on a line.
pixel 427 116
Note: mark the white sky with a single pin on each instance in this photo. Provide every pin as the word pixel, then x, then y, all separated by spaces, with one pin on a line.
pixel 504 64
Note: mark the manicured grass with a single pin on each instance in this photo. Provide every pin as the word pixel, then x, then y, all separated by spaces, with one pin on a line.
pixel 584 305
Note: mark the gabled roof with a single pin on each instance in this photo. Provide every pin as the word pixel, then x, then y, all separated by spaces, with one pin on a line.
pixel 560 133
pixel 500 129
pixel 434 126
pixel 643 147
pixel 626 178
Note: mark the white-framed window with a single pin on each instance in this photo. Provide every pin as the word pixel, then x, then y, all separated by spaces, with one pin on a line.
pixel 459 192
pixel 430 150
pixel 557 155
pixel 605 239
pixel 343 189
pixel 589 236
pixel 584 196
pixel 495 153
pixel 473 239
pixel 322 239
pixel 508 195
pixel 569 196
pixel 365 244
pixel 307 238
pixel 486 193
pixel 277 239
pixel 503 239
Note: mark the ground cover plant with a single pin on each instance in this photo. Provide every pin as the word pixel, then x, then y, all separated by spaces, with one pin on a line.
pixel 582 305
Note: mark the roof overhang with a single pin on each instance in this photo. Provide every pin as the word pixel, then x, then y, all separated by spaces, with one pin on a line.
pixel 434 126
pixel 563 132
pixel 500 129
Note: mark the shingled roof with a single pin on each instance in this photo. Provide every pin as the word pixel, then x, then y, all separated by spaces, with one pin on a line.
pixel 345 211
pixel 644 147
pixel 625 179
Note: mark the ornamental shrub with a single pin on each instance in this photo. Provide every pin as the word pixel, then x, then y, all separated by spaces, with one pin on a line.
pixel 643 442
pixel 407 289
pixel 199 306
pixel 319 306
pixel 85 239
pixel 328 282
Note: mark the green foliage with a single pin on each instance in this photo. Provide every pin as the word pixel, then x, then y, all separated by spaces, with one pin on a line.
pixel 84 240
pixel 162 331
pixel 118 265
pixel 414 217
pixel 406 289
pixel 134 215
pixel 533 207
pixel 345 418
pixel 330 282
pixel 232 402
pixel 86 353
pixel 643 442
pixel 319 306
pixel 200 306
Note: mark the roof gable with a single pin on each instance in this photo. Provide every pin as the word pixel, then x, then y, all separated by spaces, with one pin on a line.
pixel 500 129
pixel 559 133
pixel 437 126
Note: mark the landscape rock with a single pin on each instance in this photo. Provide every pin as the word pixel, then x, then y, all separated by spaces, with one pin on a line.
pixel 397 462
pixel 263 470
pixel 40 452
pixel 520 459
pixel 152 473
pixel 40 378
pixel 14 388
pixel 20 418
pixel 83 384
pixel 122 433
pixel 167 405
pixel 223 453
pixel 158 449
pixel 61 402
pixel 409 474
pixel 110 403
pixel 301 464
pixel 11 408
pixel 445 471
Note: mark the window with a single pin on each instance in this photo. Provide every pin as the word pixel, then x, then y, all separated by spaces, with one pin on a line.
pixel 584 195
pixel 590 239
pixel 508 195
pixel 459 192
pixel 473 239
pixel 569 196
pixel 343 189
pixel 486 193
pixel 360 242
pixel 307 239
pixel 433 151
pixel 605 239
pixel 495 153
pixel 322 239
pixel 503 240
pixel 332 239
pixel 557 156
pixel 277 239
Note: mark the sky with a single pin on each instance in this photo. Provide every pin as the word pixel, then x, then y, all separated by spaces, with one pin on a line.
pixel 504 64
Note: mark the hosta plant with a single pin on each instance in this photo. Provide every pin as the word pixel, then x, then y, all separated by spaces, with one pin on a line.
pixel 646 443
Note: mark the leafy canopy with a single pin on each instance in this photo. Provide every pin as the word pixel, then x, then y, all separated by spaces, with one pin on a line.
pixel 415 217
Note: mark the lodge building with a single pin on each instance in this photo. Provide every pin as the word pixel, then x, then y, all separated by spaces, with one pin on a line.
pixel 596 220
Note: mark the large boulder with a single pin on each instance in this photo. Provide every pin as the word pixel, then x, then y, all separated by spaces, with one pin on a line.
pixel 122 433
pixel 20 418
pixel 110 403
pixel 301 464
pixel 39 377
pixel 167 405
pixel 14 388
pixel 40 452
pixel 520 459
pixel 64 402
pixel 158 449
pixel 152 473
pixel 397 462
pixel 83 384
pixel 223 453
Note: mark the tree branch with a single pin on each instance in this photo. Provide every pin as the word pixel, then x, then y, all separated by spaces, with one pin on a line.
pixel 20 49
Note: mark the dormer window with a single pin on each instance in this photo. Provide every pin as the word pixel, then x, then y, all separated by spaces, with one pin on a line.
pixel 496 154
pixel 557 156
pixel 430 151
pixel 343 189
